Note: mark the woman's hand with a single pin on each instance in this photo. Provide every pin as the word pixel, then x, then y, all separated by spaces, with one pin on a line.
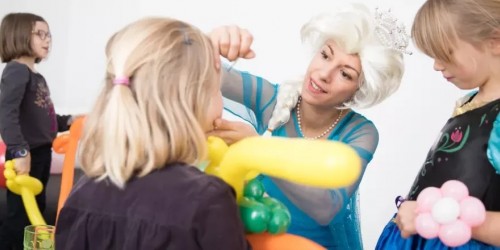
pixel 232 42
pixel 406 218
pixel 232 131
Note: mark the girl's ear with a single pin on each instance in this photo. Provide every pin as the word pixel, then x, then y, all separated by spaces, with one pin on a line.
pixel 494 43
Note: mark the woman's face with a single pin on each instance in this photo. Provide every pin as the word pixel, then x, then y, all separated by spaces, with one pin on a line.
pixel 332 78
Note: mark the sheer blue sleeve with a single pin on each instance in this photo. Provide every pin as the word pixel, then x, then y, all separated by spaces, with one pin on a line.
pixel 236 110
pixel 493 151
pixel 325 205
pixel 255 93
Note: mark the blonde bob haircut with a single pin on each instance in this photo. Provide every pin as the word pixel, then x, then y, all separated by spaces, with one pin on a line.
pixel 439 23
pixel 133 130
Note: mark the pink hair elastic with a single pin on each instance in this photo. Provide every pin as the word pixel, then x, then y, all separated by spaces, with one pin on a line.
pixel 122 80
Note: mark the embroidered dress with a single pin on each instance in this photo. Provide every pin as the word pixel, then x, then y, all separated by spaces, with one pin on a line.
pixel 327 216
pixel 465 150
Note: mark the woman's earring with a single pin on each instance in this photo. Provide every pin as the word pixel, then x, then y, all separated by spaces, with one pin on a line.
pixel 347 104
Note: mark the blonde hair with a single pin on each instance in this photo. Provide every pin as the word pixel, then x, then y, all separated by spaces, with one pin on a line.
pixel 154 121
pixel 439 23
pixel 353 29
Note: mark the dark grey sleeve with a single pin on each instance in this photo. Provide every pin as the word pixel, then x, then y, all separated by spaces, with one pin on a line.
pixel 63 123
pixel 15 77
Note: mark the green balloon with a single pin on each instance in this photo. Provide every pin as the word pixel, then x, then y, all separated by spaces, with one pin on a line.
pixel 280 221
pixel 254 189
pixel 255 215
pixel 272 203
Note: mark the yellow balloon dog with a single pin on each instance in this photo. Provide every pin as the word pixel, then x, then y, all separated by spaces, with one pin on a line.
pixel 27 187
pixel 318 163
pixel 324 164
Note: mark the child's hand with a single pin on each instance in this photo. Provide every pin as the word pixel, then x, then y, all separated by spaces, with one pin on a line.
pixel 232 131
pixel 73 118
pixel 232 42
pixel 406 218
pixel 22 165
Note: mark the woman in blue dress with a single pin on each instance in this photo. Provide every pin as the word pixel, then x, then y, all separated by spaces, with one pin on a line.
pixel 358 62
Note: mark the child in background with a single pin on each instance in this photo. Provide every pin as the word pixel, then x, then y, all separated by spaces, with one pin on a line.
pixel 140 144
pixel 463 38
pixel 28 122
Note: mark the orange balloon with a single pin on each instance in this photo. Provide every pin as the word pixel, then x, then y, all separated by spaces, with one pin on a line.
pixel 67 144
pixel 265 241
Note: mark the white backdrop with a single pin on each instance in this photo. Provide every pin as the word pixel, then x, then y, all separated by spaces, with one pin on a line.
pixel 407 122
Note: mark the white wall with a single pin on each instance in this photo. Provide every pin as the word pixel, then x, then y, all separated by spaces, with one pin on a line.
pixel 407 122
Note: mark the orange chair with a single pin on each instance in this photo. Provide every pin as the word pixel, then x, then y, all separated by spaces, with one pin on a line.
pixel 265 241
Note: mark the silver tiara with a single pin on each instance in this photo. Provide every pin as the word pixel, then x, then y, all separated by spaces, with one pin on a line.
pixel 391 32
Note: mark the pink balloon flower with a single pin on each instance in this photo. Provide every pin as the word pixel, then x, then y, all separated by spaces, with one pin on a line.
pixel 448 213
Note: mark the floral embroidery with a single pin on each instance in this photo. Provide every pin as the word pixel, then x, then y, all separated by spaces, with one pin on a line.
pixel 447 143
pixel 53 117
pixel 456 136
pixel 414 190
pixel 43 96
pixel 494 110
pixel 457 141
pixel 482 120
pixel 43 100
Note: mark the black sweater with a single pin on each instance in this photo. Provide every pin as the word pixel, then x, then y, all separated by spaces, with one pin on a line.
pixel 27 116
pixel 176 207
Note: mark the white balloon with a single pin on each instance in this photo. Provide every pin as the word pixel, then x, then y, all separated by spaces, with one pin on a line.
pixel 446 210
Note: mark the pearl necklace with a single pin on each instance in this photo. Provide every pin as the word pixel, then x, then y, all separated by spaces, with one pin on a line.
pixel 324 132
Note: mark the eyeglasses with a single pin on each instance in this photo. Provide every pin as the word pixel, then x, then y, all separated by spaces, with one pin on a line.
pixel 42 34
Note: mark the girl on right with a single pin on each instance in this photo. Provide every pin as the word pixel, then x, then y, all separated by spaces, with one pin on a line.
pixel 463 38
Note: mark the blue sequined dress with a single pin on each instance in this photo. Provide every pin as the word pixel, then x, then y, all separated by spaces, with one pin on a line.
pixel 328 217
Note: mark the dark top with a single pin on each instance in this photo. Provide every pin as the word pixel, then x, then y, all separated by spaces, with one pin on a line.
pixel 176 207
pixel 460 154
pixel 27 116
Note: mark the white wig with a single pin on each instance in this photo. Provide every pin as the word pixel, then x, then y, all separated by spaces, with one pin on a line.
pixel 357 30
